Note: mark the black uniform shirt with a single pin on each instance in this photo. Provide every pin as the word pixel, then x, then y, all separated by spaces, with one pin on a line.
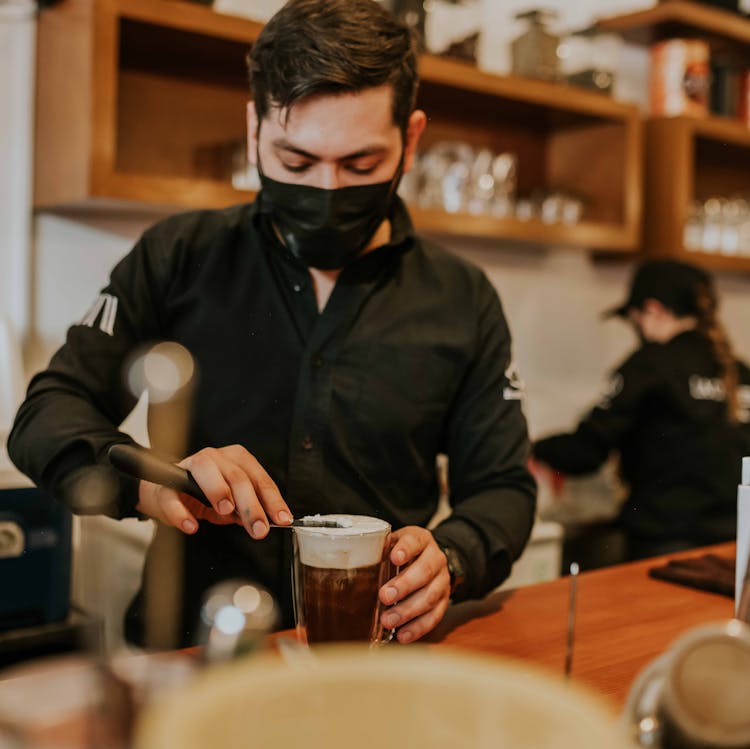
pixel 666 414
pixel 346 408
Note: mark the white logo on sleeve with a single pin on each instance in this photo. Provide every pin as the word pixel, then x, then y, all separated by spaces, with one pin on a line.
pixel 707 388
pixel 515 387
pixel 103 309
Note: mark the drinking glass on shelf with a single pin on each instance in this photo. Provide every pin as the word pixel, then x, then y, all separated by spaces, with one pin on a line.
pixel 504 175
pixel 712 225
pixel 525 209
pixel 693 230
pixel 730 227
pixel 481 183
pixel 718 224
pixel 744 227
pixel 446 173
pixel 458 178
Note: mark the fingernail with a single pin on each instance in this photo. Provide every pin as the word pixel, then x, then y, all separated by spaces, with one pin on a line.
pixel 225 507
pixel 188 526
pixel 285 517
pixel 400 556
pixel 405 636
pixel 391 620
pixel 259 528
pixel 390 594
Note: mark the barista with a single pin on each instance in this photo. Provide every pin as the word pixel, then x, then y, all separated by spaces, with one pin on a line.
pixel 339 352
pixel 677 411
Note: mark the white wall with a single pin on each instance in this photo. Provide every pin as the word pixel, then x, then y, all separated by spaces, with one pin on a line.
pixel 16 132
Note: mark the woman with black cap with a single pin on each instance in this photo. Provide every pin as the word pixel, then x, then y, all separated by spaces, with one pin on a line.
pixel 677 411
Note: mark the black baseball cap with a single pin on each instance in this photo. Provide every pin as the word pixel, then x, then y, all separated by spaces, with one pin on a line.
pixel 670 282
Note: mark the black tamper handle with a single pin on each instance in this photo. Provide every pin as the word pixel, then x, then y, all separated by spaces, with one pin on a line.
pixel 141 463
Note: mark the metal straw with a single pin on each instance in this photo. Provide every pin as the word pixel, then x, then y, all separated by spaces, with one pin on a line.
pixel 571 618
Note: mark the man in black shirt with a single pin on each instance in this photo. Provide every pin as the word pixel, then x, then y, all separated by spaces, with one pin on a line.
pixel 338 352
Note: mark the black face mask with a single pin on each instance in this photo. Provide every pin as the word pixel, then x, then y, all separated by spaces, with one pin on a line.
pixel 327 229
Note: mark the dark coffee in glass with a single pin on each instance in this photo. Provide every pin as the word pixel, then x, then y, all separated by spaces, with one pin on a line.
pixel 337 575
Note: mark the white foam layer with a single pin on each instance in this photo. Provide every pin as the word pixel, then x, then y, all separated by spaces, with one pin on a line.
pixel 358 543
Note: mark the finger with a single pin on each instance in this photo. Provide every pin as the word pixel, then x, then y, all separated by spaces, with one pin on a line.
pixel 265 487
pixel 408 543
pixel 248 505
pixel 201 512
pixel 203 466
pixel 422 625
pixel 173 512
pixel 417 605
pixel 418 574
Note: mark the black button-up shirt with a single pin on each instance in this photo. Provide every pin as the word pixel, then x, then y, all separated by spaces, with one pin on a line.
pixel 346 408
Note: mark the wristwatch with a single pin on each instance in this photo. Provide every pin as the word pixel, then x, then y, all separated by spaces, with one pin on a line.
pixel 455 567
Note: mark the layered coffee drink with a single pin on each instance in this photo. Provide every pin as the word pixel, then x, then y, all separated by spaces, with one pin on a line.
pixel 338 573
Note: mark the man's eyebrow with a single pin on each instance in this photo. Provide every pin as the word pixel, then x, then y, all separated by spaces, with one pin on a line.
pixel 285 145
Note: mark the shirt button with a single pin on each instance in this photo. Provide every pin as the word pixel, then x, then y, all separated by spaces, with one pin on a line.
pixel 307 443
pixel 297 287
pixel 317 361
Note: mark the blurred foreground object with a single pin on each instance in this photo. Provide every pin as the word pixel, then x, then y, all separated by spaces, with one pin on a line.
pixel 742 567
pixel 348 697
pixel 168 373
pixel 65 702
pixel 235 618
pixel 696 693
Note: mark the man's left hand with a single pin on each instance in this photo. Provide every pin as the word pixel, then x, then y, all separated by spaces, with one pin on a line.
pixel 421 590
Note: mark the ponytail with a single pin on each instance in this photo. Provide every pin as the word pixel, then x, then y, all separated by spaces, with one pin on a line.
pixel 711 327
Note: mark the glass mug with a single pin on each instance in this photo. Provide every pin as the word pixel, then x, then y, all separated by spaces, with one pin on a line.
pixel 336 576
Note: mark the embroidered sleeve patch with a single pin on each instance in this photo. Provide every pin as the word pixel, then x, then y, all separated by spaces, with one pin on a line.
pixel 103 311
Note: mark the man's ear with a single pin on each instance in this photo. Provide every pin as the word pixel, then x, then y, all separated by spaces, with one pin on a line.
pixel 251 118
pixel 414 129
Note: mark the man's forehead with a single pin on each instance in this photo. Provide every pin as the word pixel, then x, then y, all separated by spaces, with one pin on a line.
pixel 373 105
pixel 333 126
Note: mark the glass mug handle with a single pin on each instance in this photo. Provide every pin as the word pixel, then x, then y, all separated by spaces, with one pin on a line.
pixel 388 570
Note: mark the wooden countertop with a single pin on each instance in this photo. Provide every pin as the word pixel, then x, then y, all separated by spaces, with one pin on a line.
pixel 624 620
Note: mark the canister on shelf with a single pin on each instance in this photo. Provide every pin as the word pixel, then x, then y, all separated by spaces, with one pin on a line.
pixel 680 77
pixel 535 52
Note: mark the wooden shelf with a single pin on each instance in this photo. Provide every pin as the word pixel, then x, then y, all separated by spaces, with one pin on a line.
pixel 583 234
pixel 727 33
pixel 717 262
pixel 162 83
pixel 689 159
pixel 562 101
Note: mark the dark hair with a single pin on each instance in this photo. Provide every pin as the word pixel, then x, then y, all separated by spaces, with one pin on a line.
pixel 709 324
pixel 333 47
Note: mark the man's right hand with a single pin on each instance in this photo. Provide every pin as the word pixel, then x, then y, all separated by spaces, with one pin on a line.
pixel 232 479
